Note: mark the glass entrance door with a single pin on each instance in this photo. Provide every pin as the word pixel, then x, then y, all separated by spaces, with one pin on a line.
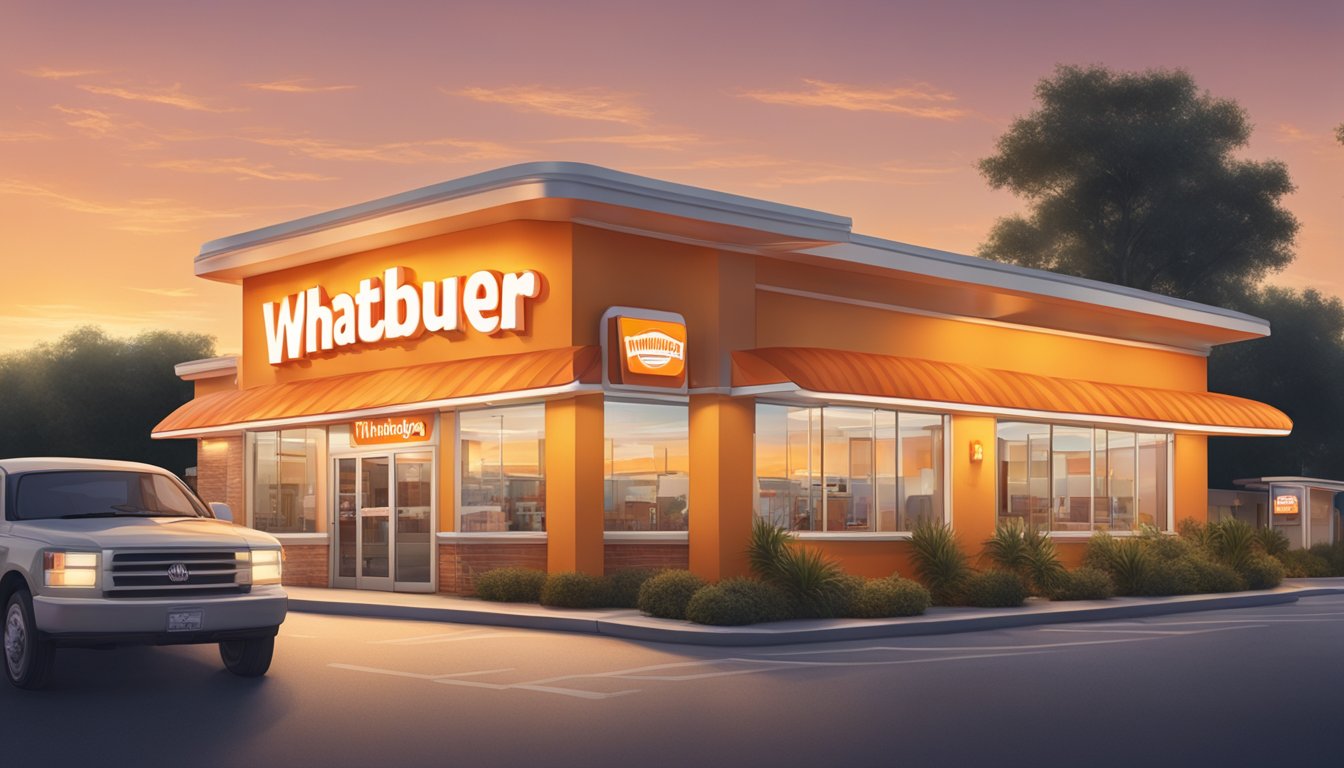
pixel 384 521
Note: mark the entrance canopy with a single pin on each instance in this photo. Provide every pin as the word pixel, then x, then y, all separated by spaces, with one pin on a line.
pixel 385 392
pixel 830 374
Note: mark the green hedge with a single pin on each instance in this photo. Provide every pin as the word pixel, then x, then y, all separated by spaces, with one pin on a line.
pixel 1262 572
pixel 575 590
pixel 995 589
pixel 666 594
pixel 510 585
pixel 734 602
pixel 889 598
pixel 1084 584
pixel 626 583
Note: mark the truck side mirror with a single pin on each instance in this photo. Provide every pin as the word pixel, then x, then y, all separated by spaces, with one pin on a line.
pixel 221 511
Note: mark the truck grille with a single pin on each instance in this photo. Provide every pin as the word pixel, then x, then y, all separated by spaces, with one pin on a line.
pixel 146 574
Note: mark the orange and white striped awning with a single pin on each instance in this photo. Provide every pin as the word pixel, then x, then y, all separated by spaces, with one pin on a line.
pixel 386 392
pixel 831 374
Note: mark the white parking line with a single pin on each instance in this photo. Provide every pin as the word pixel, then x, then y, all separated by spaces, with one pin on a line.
pixel 452 637
pixel 1108 630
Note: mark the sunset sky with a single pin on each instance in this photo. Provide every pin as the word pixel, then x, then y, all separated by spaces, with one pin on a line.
pixel 132 132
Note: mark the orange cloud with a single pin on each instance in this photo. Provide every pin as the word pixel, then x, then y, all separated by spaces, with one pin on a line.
pixel 92 121
pixel 670 141
pixel 17 136
pixel 47 73
pixel 580 103
pixel 171 97
pixel 398 152
pixel 147 215
pixel 919 100
pixel 239 168
pixel 298 85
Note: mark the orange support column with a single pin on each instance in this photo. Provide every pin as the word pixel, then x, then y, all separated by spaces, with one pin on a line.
pixel 1190 478
pixel 973 482
pixel 574 485
pixel 722 431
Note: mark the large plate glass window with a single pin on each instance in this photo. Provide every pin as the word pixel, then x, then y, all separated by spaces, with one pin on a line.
pixel 647 466
pixel 1055 477
pixel 847 469
pixel 285 494
pixel 503 465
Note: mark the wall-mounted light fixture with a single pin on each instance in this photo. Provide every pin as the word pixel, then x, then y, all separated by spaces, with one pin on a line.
pixel 977 451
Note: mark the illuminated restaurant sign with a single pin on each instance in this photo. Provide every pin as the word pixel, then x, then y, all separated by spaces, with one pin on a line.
pixel 392 430
pixel 1286 504
pixel 652 347
pixel 645 350
pixel 393 307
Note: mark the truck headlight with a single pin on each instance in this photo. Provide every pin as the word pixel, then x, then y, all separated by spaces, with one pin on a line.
pixel 266 566
pixel 70 569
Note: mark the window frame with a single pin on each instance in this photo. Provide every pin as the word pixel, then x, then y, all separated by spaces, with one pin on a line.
pixel 322 505
pixel 459 468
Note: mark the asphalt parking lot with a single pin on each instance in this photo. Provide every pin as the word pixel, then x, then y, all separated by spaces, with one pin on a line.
pixel 1253 686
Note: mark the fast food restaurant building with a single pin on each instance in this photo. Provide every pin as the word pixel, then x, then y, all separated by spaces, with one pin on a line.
pixel 565 367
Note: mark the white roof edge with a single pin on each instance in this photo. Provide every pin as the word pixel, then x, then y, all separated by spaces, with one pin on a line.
pixel 558 179
pixel 1318 482
pixel 955 266
pixel 207 368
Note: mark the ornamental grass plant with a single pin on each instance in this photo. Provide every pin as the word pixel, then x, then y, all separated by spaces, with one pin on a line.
pixel 939 562
pixel 814 583
pixel 1028 552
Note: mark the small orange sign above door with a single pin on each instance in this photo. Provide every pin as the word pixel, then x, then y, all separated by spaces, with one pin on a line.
pixel 392 430
pixel 652 347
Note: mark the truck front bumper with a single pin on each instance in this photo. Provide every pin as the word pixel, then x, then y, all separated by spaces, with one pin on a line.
pixel 96 621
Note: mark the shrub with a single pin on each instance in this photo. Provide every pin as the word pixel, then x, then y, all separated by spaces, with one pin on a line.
pixel 846 594
pixel 510 585
pixel 1027 552
pixel 1084 584
pixel 625 585
pixel 1233 542
pixel 767 548
pixel 575 590
pixel 1163 547
pixel 1261 572
pixel 891 597
pixel 1126 560
pixel 1194 532
pixel 1272 542
pixel 733 602
pixel 1175 576
pixel 1216 577
pixel 939 562
pixel 810 580
pixel 667 594
pixel 995 589
pixel 1304 564
pixel 1332 554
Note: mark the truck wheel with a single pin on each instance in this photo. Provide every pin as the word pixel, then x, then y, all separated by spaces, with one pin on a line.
pixel 28 655
pixel 247 658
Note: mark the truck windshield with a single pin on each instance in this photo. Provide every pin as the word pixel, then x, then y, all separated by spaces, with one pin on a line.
pixel 98 493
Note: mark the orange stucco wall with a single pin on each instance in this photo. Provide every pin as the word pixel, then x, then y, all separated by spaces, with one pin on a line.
pixel 784 320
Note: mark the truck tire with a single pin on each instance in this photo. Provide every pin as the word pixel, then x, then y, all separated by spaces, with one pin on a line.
pixel 247 658
pixel 28 655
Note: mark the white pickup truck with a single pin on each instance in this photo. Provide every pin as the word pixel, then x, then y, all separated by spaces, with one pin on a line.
pixel 105 553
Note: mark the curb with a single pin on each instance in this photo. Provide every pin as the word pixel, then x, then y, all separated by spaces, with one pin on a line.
pixel 795 632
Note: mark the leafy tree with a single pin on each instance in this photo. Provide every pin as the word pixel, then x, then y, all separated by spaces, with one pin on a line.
pixel 90 395
pixel 1132 179
pixel 1298 369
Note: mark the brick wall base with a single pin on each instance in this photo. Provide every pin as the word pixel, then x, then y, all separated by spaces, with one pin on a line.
pixel 306 565
pixel 643 554
pixel 461 562
pixel 219 473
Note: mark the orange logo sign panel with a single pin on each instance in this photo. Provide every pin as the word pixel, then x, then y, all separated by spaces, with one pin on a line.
pixel 1286 504
pixel 652 347
pixel 392 430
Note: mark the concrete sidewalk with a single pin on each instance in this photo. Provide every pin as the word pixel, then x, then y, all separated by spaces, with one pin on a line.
pixel 632 625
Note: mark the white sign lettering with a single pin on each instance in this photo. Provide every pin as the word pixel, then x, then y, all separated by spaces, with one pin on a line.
pixel 394 307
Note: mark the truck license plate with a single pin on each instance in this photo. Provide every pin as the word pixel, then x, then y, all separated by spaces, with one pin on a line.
pixel 184 621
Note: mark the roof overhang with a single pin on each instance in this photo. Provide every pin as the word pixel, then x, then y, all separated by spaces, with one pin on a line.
pixel 573 192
